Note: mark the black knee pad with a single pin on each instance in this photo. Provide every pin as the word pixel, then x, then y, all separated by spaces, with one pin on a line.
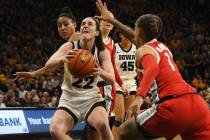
pixel 117 123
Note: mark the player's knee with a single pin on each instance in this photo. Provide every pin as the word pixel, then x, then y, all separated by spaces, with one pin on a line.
pixel 128 130
pixel 102 126
pixel 126 134
pixel 56 131
pixel 123 134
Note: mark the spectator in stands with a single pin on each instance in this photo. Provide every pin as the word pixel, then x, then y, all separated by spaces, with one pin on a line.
pixel 176 42
pixel 12 102
pixel 207 98
pixel 198 82
pixel 180 64
pixel 53 102
pixel 28 99
pixel 43 102
pixel 2 104
pixel 35 101
pixel 207 76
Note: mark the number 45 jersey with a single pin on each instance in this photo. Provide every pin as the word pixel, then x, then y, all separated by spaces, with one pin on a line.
pixel 125 62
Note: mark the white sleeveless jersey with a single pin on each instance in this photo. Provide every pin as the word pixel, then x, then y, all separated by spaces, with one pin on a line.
pixel 81 86
pixel 125 62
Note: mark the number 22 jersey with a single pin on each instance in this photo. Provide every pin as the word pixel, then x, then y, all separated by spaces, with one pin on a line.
pixel 81 86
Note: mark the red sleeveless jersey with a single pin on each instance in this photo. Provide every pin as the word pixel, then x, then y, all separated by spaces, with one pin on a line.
pixel 169 79
pixel 110 46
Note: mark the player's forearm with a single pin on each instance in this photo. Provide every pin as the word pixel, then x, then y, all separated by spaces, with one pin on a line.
pixel 40 72
pixel 108 78
pixel 53 64
pixel 125 30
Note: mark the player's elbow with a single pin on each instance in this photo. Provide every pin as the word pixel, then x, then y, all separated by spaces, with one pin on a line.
pixel 48 63
pixel 51 66
pixel 112 79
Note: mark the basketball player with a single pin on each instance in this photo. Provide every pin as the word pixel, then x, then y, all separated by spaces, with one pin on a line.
pixel 179 110
pixel 76 103
pixel 66 26
pixel 109 91
pixel 125 64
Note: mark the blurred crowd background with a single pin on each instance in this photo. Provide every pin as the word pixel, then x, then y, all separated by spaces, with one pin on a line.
pixel 28 36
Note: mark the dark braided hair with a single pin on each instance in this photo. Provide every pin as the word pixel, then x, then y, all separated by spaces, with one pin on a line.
pixel 151 25
pixel 67 12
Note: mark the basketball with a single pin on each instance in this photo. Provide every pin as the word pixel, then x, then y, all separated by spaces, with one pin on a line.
pixel 82 64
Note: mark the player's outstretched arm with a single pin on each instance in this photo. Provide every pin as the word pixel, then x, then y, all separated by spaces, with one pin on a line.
pixel 53 63
pixel 105 15
pixel 31 74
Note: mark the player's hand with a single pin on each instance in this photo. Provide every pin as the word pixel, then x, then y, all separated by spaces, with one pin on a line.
pixel 134 108
pixel 70 54
pixel 98 70
pixel 125 90
pixel 24 75
pixel 148 100
pixel 105 13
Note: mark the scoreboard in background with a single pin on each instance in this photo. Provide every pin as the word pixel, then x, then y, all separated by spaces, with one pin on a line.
pixel 28 121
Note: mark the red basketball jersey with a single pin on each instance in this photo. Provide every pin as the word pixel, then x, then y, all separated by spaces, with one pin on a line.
pixel 110 46
pixel 169 79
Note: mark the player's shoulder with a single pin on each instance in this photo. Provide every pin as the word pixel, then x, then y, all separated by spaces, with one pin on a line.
pixel 109 42
pixel 68 44
pixel 143 50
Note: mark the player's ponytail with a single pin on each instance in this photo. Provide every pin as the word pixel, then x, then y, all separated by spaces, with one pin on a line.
pixel 99 41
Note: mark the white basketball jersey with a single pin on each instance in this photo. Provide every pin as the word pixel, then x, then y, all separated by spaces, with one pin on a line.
pixel 81 86
pixel 125 62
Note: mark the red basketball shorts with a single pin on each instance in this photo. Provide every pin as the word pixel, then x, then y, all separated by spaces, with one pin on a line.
pixel 187 115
